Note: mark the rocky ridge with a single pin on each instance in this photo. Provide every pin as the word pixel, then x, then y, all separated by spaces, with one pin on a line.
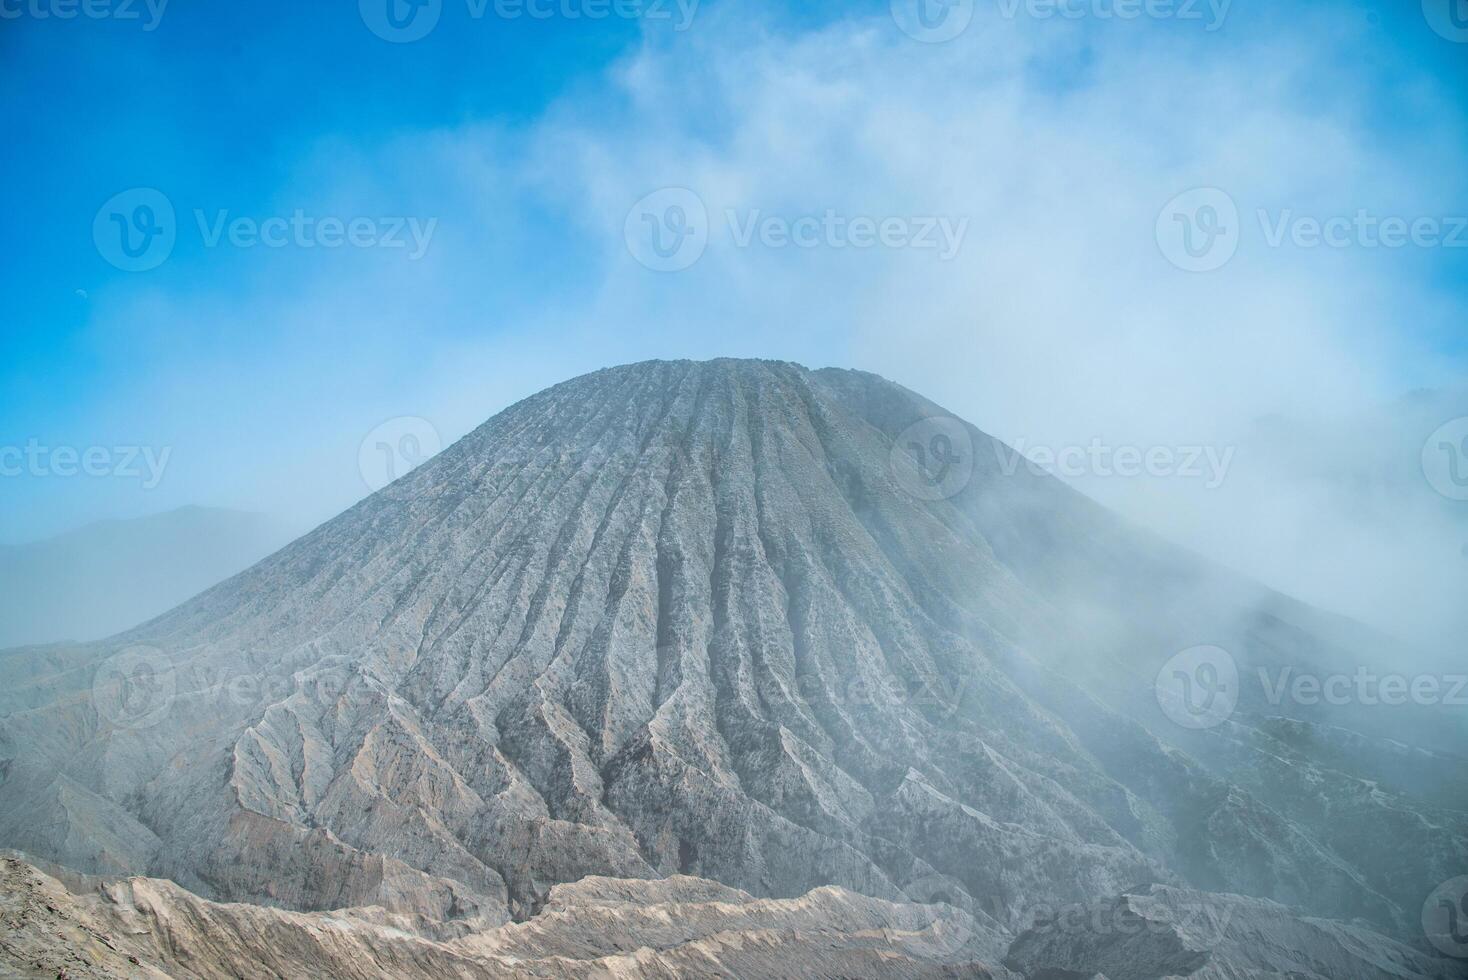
pixel 599 928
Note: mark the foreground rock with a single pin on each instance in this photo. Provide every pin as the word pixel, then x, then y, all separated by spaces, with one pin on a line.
pixel 674 928
pixel 145 928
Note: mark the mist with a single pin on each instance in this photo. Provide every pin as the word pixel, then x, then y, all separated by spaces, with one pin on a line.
pixel 1042 152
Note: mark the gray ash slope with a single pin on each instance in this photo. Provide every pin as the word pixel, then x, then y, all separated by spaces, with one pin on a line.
pixel 685 618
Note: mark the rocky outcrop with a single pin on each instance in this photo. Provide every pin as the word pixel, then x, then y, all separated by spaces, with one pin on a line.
pixel 678 927
pixel 142 929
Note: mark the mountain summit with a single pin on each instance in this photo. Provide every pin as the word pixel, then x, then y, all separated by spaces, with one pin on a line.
pixel 738 620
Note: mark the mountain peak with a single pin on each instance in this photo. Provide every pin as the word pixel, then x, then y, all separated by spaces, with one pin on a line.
pixel 773 627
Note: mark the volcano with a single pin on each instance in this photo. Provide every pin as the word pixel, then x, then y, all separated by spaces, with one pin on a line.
pixel 776 631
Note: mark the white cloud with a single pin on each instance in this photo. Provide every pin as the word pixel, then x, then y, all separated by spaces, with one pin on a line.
pixel 1058 322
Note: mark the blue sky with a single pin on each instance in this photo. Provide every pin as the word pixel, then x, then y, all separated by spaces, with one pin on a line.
pixel 527 142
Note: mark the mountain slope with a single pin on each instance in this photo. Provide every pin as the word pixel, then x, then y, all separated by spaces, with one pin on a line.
pixel 713 619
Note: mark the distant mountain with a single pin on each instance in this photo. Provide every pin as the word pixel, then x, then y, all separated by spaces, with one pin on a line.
pixel 110 576
pixel 774 628
pixel 1369 513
